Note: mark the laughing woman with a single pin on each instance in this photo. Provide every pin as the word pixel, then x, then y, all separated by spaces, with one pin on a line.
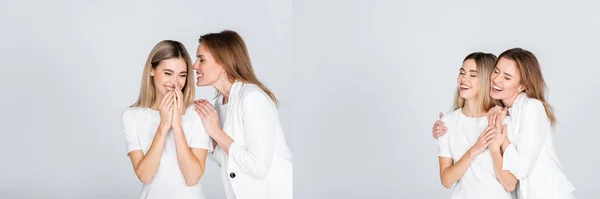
pixel 465 162
pixel 166 141
pixel 244 123
pixel 529 152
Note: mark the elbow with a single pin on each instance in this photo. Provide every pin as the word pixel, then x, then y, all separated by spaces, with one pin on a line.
pixel 261 172
pixel 193 180
pixel 446 183
pixel 146 179
pixel 510 187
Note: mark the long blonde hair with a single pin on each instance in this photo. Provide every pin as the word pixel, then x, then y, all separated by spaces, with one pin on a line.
pixel 485 66
pixel 164 50
pixel 229 50
pixel 531 77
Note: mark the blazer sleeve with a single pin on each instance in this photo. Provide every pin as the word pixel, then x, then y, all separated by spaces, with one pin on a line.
pixel 521 155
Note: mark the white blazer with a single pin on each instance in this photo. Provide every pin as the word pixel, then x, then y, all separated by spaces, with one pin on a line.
pixel 531 156
pixel 259 163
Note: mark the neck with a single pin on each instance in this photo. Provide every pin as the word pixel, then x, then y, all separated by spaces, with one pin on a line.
pixel 509 102
pixel 471 109
pixel 157 100
pixel 224 87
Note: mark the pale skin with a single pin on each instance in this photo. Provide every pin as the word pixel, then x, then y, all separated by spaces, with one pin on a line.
pixel 169 76
pixel 506 86
pixel 468 85
pixel 210 73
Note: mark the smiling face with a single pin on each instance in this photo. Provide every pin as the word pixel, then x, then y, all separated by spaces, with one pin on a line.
pixel 207 69
pixel 506 80
pixel 468 81
pixel 169 73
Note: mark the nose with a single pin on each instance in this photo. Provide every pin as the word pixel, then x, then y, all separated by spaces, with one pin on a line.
pixel 495 79
pixel 196 65
pixel 464 78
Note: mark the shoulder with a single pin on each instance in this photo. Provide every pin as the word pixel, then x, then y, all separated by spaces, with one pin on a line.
pixel 251 93
pixel 247 89
pixel 532 105
pixel 191 113
pixel 451 116
pixel 131 113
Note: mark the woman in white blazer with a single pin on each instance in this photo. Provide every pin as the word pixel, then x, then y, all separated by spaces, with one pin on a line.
pixel 528 147
pixel 244 125
pixel 529 152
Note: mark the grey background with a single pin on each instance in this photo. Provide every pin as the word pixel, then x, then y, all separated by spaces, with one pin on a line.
pixel 360 84
pixel 377 73
pixel 70 67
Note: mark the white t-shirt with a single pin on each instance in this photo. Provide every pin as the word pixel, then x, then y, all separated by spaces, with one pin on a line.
pixel 139 126
pixel 480 180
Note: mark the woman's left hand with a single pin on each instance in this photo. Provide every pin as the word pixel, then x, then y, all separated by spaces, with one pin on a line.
pixel 177 108
pixel 495 146
pixel 209 116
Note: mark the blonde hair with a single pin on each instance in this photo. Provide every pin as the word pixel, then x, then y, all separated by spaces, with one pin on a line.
pixel 166 49
pixel 531 77
pixel 229 50
pixel 485 66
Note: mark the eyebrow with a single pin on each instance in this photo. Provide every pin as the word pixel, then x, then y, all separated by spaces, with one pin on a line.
pixel 199 56
pixel 473 71
pixel 183 72
pixel 496 68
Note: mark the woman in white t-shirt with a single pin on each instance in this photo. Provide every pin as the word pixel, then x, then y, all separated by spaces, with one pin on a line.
pixel 166 141
pixel 465 162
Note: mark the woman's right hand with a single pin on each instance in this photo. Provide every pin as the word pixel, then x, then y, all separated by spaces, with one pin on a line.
pixel 439 128
pixel 166 110
pixel 485 139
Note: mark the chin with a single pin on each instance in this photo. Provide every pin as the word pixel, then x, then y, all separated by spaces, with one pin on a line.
pixel 201 84
pixel 496 96
pixel 466 95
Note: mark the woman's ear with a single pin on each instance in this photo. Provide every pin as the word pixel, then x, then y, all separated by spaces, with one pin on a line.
pixel 521 88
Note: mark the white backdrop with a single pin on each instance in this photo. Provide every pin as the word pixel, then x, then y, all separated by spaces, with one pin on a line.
pixel 377 73
pixel 70 67
pixel 360 84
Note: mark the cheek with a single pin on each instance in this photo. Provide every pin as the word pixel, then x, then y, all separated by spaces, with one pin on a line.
pixel 158 80
pixel 511 85
pixel 474 84
pixel 181 81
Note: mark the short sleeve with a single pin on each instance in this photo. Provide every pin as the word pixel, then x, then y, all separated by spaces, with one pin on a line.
pixel 132 139
pixel 199 137
pixel 444 143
